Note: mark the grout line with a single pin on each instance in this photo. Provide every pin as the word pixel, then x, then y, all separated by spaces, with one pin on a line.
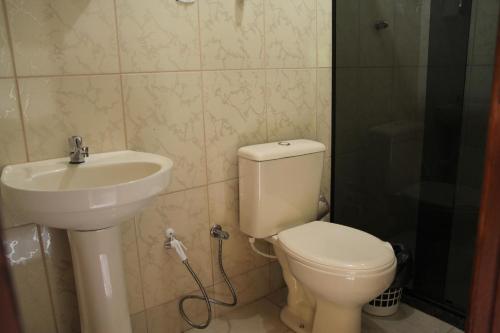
pixel 203 111
pixel 118 50
pixel 316 33
pixel 266 99
pixel 134 220
pixel 46 273
pixel 316 106
pixel 264 33
pixel 200 44
pixel 175 71
pixel 16 79
pixel 266 104
pixel 198 186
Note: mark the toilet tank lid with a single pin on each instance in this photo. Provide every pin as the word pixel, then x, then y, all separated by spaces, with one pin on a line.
pixel 280 149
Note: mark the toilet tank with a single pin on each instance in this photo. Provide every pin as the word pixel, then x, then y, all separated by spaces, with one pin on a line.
pixel 279 185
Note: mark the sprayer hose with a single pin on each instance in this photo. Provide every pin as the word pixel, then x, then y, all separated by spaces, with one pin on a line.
pixel 204 297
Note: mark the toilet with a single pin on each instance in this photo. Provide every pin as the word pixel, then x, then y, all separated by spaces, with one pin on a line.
pixel 331 270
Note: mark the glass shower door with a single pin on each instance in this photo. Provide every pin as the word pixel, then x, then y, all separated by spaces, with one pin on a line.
pixel 413 80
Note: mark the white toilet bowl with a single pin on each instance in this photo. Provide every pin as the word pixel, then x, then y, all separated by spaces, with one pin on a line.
pixel 341 267
pixel 331 271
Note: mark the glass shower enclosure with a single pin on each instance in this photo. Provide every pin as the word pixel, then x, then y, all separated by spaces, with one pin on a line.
pixel 412 90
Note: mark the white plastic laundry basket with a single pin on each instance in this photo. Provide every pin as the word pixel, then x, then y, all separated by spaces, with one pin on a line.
pixel 385 304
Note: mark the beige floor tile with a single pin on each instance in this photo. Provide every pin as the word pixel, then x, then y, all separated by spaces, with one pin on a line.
pixel 408 320
pixel 456 330
pixel 261 316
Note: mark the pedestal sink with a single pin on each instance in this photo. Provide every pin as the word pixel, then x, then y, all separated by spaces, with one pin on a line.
pixel 89 200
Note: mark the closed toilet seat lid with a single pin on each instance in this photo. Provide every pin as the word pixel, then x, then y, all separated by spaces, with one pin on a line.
pixel 337 246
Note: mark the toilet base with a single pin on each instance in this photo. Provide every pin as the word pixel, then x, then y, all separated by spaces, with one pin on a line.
pixel 333 318
pixel 293 321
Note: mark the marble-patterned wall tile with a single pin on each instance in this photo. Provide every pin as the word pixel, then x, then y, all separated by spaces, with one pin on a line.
pixel 475 122
pixel 23 252
pixel 347 130
pixel 61 37
pixel 12 149
pixel 425 25
pixel 407 29
pixel 325 30
pixel 376 46
pixel 276 280
pixel 6 69
pixel 56 108
pixel 347 33
pixel 348 181
pixel 324 105
pixel 61 279
pixel 139 323
pixel 249 287
pixel 158 35
pixel 237 255
pixel 376 87
pixel 166 318
pixel 132 267
pixel 164 116
pixel 408 84
pixel 290 33
pixel 187 213
pixel 291 104
pixel 235 116
pixel 232 34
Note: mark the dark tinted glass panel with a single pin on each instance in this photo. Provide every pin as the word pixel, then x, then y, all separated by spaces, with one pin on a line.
pixel 413 81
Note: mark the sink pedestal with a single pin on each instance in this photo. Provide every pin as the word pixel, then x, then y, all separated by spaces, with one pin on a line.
pixel 100 282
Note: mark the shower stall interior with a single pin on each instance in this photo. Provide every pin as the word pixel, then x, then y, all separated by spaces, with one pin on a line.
pixel 412 95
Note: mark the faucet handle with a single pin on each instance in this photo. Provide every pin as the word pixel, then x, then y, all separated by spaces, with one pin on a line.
pixel 77 152
pixel 75 141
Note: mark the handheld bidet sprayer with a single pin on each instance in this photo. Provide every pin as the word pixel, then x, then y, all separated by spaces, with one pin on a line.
pixel 174 243
pixel 171 242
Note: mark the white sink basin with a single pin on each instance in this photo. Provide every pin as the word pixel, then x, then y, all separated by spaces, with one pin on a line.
pixel 89 200
pixel 107 189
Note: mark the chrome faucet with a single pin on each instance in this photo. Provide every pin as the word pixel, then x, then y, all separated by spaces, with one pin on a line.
pixel 77 152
